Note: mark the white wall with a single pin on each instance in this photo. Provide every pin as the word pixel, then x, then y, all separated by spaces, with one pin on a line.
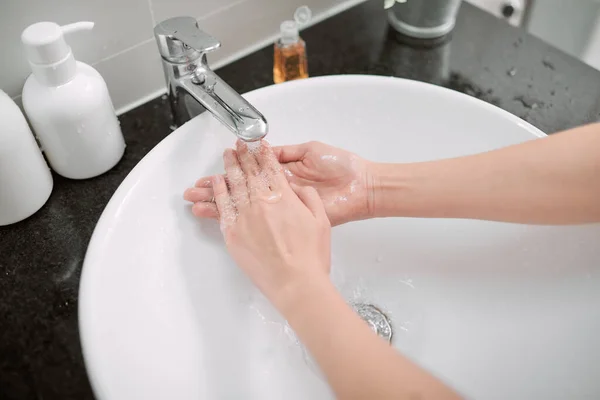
pixel 566 24
pixel 495 7
pixel 122 45
pixel 591 53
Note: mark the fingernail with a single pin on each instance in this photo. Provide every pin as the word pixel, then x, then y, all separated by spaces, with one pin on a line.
pixel 187 193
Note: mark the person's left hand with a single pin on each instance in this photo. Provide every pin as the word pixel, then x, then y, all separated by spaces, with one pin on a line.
pixel 278 234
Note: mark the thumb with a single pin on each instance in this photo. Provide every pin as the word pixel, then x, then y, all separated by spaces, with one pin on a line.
pixel 309 196
pixel 291 153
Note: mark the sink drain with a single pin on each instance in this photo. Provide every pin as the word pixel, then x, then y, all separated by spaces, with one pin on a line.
pixel 373 316
pixel 376 319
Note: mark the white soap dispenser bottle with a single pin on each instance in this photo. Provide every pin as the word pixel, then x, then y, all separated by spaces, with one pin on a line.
pixel 68 105
pixel 25 179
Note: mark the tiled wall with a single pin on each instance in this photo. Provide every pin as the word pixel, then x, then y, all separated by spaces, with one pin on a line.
pixel 121 46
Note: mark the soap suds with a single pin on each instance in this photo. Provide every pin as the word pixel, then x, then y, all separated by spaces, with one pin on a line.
pixel 259 187
pixel 227 216
pixel 254 147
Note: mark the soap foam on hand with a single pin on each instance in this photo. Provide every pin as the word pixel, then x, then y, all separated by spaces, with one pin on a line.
pixel 254 147
pixel 260 184
pixel 267 173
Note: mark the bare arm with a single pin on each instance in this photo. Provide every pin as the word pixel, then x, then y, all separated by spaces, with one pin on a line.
pixel 357 363
pixel 554 180
pixel 283 245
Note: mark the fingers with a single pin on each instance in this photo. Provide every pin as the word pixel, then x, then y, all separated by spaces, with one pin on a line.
pixel 196 194
pixel 204 182
pixel 269 165
pixel 205 210
pixel 227 212
pixel 257 184
pixel 202 197
pixel 292 153
pixel 235 179
pixel 247 160
pixel 311 199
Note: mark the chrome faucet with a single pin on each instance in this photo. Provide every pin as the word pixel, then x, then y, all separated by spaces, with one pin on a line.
pixel 193 87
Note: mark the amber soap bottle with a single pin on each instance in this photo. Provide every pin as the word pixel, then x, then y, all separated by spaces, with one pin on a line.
pixel 289 61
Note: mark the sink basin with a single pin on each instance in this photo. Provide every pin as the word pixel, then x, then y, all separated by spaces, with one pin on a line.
pixel 498 311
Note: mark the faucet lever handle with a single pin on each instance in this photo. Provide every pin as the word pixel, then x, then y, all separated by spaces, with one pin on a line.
pixel 176 36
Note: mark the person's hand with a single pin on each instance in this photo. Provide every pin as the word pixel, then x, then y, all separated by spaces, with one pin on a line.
pixel 342 179
pixel 276 232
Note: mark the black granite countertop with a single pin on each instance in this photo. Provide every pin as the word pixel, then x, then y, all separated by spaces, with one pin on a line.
pixel 41 257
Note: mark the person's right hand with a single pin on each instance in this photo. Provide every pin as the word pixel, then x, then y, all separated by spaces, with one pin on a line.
pixel 342 179
pixel 276 232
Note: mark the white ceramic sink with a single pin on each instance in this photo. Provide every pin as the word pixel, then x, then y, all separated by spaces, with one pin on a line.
pixel 499 311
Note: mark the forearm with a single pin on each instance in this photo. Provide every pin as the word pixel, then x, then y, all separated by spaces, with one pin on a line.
pixel 357 363
pixel 554 180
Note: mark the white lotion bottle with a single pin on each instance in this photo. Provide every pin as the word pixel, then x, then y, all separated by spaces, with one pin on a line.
pixel 68 105
pixel 25 179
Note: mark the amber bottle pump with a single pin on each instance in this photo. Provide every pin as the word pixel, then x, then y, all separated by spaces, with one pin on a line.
pixel 289 61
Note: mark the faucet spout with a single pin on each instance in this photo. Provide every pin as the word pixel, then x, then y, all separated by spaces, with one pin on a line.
pixel 193 87
pixel 225 104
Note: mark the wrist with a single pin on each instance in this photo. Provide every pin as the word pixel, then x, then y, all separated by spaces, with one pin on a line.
pixel 372 189
pixel 291 297
pixel 384 189
pixel 394 190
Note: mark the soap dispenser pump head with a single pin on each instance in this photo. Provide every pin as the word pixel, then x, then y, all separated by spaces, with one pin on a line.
pixel 49 56
pixel 45 43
